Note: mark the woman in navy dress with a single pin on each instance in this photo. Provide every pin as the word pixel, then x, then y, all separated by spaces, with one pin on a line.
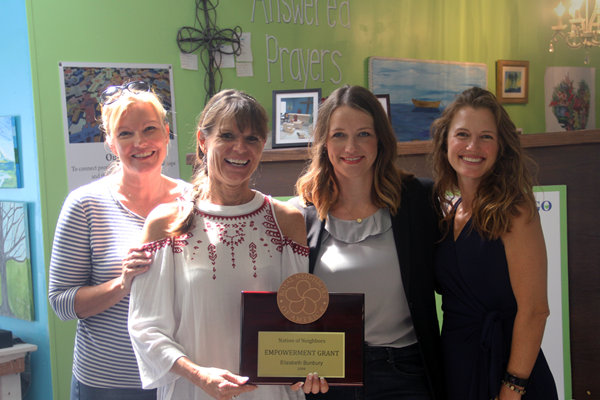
pixel 491 266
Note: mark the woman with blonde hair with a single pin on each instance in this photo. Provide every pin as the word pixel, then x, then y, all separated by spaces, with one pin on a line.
pixel 184 317
pixel 491 265
pixel 372 229
pixel 93 262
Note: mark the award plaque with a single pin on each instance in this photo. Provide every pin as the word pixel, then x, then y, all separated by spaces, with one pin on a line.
pixel 300 329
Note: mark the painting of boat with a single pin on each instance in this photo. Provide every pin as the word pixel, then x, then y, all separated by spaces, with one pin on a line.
pixel 426 104
pixel 420 90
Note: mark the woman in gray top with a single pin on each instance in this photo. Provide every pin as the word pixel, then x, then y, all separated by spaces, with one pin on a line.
pixel 372 229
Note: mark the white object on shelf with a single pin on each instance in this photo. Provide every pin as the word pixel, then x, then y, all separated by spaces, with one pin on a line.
pixel 10 385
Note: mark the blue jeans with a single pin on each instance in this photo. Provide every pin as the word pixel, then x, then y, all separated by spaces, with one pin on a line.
pixel 79 391
pixel 390 373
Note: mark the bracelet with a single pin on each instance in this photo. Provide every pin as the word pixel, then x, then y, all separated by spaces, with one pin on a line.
pixel 516 381
pixel 513 388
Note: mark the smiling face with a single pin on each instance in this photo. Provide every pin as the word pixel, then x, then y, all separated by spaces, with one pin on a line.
pixel 232 156
pixel 351 143
pixel 140 138
pixel 472 144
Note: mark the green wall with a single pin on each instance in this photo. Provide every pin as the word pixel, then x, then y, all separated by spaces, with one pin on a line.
pixel 144 31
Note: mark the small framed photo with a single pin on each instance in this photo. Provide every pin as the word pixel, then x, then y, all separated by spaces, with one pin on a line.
pixel 384 99
pixel 512 81
pixel 295 115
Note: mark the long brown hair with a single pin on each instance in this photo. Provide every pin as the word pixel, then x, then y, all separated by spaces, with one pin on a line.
pixel 507 185
pixel 226 106
pixel 319 186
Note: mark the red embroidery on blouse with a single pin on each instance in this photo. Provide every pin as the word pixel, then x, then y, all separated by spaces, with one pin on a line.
pixel 180 241
pixel 231 231
pixel 253 256
pixel 296 248
pixel 157 245
pixel 254 213
pixel 212 253
pixel 230 234
pixel 272 229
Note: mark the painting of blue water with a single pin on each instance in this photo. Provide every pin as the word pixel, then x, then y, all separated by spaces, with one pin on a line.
pixel 9 174
pixel 420 90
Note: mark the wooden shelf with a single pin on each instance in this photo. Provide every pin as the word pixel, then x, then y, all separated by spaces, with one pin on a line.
pixel 424 147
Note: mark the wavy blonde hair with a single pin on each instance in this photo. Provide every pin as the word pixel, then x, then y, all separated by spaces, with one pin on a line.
pixel 319 186
pixel 224 107
pixel 507 185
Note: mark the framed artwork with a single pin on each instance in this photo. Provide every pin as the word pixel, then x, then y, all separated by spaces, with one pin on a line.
pixel 570 98
pixel 384 99
pixel 81 87
pixel 294 116
pixel 10 170
pixel 16 282
pixel 419 90
pixel 512 81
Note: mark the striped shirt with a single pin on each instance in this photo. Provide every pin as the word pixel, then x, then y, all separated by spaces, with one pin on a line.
pixel 93 234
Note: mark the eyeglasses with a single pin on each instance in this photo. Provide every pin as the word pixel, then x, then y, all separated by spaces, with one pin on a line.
pixel 114 93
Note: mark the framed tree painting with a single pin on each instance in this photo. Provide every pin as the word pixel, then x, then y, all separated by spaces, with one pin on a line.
pixel 16 299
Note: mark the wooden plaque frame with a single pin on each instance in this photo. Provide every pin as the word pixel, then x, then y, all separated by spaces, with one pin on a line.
pixel 344 314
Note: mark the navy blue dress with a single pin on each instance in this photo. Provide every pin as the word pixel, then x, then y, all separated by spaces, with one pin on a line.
pixel 479 313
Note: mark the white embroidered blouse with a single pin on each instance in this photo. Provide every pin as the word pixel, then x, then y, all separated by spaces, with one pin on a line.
pixel 188 303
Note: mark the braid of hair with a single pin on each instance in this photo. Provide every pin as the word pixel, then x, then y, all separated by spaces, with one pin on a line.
pixel 186 216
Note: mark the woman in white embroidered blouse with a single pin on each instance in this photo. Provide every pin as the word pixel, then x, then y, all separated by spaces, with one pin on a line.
pixel 184 314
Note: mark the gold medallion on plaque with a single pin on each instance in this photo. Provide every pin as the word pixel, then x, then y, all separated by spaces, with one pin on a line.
pixel 303 298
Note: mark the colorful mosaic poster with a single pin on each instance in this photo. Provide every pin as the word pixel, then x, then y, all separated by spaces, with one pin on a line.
pixel 81 84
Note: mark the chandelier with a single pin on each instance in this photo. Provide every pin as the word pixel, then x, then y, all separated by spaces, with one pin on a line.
pixel 584 31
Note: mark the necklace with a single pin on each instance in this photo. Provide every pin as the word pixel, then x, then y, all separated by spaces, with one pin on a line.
pixel 359 220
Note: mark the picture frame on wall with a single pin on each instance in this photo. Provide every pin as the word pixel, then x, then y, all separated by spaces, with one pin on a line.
pixel 82 84
pixel 15 261
pixel 384 99
pixel 10 168
pixel 295 114
pixel 512 81
pixel 420 90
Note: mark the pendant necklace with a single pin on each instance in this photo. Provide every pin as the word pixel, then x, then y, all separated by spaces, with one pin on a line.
pixel 359 220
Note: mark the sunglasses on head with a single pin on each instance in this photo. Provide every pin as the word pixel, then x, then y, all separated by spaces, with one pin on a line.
pixel 113 93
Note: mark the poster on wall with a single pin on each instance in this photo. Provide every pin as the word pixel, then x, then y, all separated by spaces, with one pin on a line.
pixel 552 207
pixel 15 262
pixel 570 98
pixel 420 90
pixel 88 157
